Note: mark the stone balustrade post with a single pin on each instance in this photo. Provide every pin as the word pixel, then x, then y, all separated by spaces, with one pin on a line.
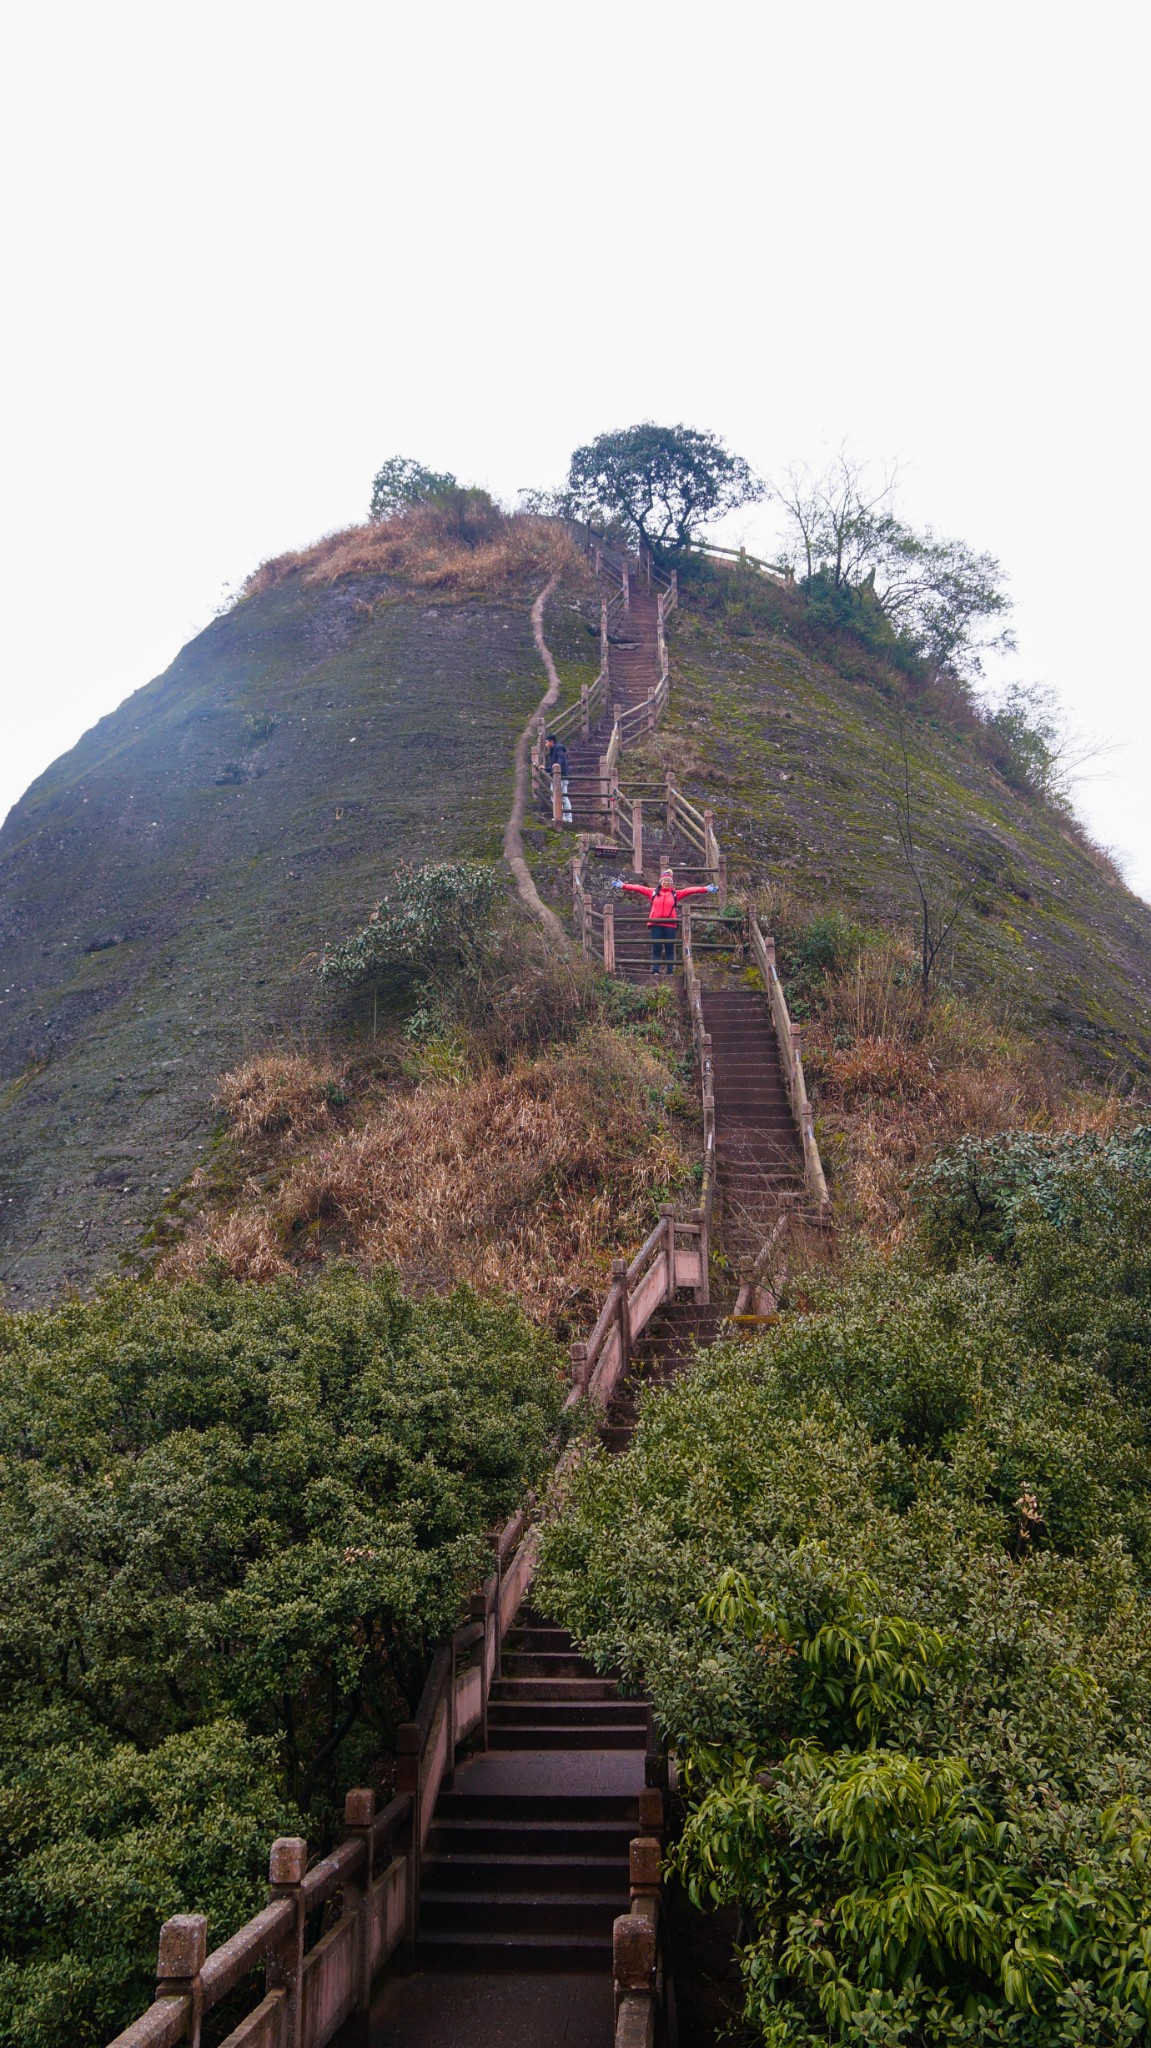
pixel 633 1956
pixel 285 1966
pixel 579 1367
pixel 623 1310
pixel 667 1211
pixel 557 797
pixel 182 1955
pixel 644 1856
pixel 585 714
pixel 637 836
pixel 408 1783
pixel 359 1813
pixel 609 938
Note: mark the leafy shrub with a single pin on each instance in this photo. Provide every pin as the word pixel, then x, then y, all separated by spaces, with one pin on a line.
pixel 100 1842
pixel 884 1574
pixel 233 1521
pixel 975 1194
pixel 262 1502
pixel 400 483
pixel 432 923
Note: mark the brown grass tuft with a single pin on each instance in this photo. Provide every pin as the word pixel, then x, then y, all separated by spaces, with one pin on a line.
pixel 424 547
pixel 529 1179
pixel 281 1094
pixel 893 1084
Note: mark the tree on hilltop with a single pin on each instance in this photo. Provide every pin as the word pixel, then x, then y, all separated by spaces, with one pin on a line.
pixel 661 483
pixel 939 595
pixel 401 482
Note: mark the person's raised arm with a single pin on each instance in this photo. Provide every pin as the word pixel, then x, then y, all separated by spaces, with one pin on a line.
pixel 635 888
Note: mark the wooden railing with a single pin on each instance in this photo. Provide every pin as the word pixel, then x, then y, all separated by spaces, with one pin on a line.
pixel 742 559
pixel 630 724
pixel 674 1255
pixel 788 1036
pixel 314 1985
pixel 702 1042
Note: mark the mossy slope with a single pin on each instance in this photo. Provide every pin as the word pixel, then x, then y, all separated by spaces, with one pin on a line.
pixel 801 765
pixel 163 884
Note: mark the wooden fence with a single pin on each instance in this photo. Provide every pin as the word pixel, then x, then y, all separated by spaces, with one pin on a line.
pixel 317 1978
pixel 788 1037
pixel 628 725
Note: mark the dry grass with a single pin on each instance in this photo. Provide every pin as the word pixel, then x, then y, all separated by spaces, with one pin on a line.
pixel 893 1084
pixel 287 1095
pixel 531 1179
pixel 425 547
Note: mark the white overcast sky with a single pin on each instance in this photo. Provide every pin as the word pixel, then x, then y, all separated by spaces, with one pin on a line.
pixel 252 249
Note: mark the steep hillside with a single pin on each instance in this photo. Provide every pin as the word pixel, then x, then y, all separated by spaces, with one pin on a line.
pixel 162 885
pixel 165 887
pixel 802 763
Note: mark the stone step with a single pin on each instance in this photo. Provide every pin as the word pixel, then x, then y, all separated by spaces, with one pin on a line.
pixel 567 1735
pixel 497 1873
pixel 471 1950
pixel 518 1913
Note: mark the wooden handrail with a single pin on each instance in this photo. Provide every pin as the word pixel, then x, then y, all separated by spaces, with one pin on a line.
pixel 788 1038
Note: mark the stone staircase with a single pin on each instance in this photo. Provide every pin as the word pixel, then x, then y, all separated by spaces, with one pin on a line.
pixel 526 1863
pixel 759 1157
pixel 633 672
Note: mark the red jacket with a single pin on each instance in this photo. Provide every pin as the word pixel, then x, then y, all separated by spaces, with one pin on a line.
pixel 663 901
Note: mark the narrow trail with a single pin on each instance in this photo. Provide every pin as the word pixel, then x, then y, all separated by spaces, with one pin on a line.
pixel 513 831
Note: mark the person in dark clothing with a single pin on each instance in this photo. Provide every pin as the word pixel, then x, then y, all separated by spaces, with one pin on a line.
pixel 663 918
pixel 556 756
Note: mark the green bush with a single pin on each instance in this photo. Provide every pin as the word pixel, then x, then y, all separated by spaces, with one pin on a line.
pixel 431 923
pixel 99 1843
pixel 974 1195
pixel 234 1520
pixel 884 1574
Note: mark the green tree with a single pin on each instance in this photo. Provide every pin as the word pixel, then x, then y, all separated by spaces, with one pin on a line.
pixel 943 597
pixel 401 482
pixel 661 483
pixel 884 1575
pixel 261 1502
pixel 432 924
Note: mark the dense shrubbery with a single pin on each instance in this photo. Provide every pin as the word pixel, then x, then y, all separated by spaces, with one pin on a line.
pixel 975 1195
pixel 884 1573
pixel 233 1521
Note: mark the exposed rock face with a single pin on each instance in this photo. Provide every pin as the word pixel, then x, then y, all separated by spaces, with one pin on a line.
pixel 163 885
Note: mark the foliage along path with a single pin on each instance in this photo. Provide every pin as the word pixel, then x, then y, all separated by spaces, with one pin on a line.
pixel 526 1867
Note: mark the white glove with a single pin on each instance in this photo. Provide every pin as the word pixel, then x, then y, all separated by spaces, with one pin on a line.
pixel 616 883
pixel 713 888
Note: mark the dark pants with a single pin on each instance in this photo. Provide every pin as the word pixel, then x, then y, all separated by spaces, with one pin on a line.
pixel 662 946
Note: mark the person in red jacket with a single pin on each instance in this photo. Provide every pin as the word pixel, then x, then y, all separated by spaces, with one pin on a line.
pixel 663 916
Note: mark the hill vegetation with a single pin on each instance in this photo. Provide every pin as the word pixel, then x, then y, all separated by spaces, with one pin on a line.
pixel 275 1038
pixel 883 1573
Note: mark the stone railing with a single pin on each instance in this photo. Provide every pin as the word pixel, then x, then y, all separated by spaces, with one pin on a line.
pixel 674 1255
pixel 789 1039
pixel 628 725
pixel 639 1968
pixel 314 1985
